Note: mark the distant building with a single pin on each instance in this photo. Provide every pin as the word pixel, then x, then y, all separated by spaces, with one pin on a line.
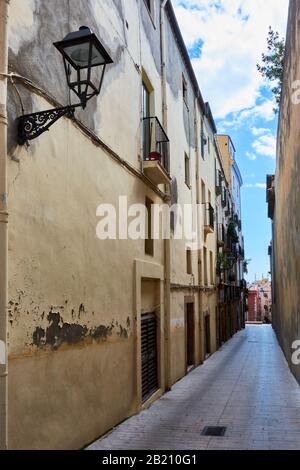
pixel 260 302
pixel 253 303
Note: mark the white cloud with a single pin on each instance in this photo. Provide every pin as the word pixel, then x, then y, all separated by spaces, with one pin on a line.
pixel 256 185
pixel 265 145
pixel 234 34
pixel 250 115
pixel 251 156
pixel 259 131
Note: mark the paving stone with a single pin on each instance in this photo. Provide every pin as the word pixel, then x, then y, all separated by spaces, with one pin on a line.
pixel 245 386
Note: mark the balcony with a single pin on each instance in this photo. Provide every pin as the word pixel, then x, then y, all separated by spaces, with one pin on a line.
pixel 224 197
pixel 241 253
pixel 228 293
pixel 209 218
pixel 221 235
pixel 236 219
pixel 156 159
pixel 219 181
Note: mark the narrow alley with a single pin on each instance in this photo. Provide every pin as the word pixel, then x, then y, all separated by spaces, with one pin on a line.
pixel 246 387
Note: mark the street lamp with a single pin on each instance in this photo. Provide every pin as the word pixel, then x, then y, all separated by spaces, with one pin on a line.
pixel 83 56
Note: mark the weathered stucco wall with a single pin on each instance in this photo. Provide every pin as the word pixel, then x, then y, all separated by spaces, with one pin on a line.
pixel 71 309
pixel 74 301
pixel 286 247
pixel 73 325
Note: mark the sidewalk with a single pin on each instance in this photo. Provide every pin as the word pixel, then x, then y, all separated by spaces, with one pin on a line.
pixel 246 386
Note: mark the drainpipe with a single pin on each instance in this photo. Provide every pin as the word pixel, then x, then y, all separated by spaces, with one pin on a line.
pixel 199 228
pixel 167 243
pixel 4 6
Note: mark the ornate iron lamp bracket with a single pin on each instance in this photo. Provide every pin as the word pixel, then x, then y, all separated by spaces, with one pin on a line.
pixel 31 126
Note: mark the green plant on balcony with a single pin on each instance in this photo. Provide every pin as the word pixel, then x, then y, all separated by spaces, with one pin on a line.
pixel 245 265
pixel 222 262
pixel 232 233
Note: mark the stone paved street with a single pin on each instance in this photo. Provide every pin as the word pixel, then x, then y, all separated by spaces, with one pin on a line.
pixel 246 386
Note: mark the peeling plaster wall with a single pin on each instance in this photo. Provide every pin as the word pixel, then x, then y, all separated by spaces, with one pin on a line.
pixel 72 321
pixel 71 309
pixel 32 55
pixel 73 334
pixel 286 313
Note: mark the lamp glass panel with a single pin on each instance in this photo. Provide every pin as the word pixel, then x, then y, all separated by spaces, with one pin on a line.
pixel 79 54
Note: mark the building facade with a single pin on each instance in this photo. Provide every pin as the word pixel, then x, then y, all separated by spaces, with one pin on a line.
pixel 230 272
pixel 260 302
pixel 100 328
pixel 283 200
pixel 253 304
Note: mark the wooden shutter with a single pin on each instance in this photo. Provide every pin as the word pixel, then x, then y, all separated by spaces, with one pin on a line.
pixel 149 355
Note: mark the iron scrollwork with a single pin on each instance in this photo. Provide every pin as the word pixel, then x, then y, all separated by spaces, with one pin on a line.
pixel 31 126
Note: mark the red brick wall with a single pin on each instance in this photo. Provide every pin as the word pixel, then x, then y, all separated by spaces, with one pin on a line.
pixel 253 305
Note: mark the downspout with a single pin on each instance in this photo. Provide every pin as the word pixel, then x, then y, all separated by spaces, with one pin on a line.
pixel 199 228
pixel 167 242
pixel 4 7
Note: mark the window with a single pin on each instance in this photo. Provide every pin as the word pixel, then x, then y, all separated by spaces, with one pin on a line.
pixel 184 89
pixel 150 7
pixel 189 268
pixel 202 140
pixel 203 195
pixel 145 101
pixel 208 144
pixel 205 266
pixel 211 263
pixel 149 242
pixel 147 112
pixel 187 170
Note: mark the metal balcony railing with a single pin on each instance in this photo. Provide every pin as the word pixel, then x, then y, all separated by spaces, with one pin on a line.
pixel 221 234
pixel 156 143
pixel 234 250
pixel 209 216
pixel 224 197
pixel 229 293
pixel 219 182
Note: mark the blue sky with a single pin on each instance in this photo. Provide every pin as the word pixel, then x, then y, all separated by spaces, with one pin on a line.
pixel 225 40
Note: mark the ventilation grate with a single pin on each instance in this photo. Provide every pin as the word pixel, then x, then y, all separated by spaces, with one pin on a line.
pixel 214 431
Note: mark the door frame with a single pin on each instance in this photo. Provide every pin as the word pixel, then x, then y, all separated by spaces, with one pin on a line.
pixel 151 271
pixel 187 301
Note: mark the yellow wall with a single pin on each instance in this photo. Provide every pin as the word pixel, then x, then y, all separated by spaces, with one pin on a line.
pixel 75 302
pixel 223 142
